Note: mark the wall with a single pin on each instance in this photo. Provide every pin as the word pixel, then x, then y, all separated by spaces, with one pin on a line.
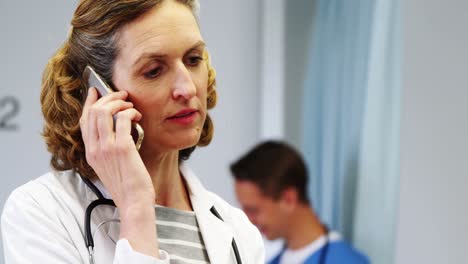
pixel 30 34
pixel 433 215
pixel 298 37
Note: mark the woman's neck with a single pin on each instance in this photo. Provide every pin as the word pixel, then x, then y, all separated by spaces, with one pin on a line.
pixel 169 185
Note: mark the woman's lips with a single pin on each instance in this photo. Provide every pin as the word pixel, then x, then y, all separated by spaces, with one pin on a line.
pixel 184 117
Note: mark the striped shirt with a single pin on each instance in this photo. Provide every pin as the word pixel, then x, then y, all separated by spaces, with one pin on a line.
pixel 180 236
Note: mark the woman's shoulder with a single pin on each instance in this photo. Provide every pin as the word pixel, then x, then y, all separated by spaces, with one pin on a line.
pixel 47 180
pixel 44 212
pixel 47 192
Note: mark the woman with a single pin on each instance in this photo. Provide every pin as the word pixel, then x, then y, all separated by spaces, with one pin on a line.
pixel 153 55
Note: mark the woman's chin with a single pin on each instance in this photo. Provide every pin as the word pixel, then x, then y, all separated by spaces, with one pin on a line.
pixel 166 140
pixel 188 142
pixel 176 141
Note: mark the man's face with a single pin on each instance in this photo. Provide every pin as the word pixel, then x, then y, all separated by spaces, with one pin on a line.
pixel 270 216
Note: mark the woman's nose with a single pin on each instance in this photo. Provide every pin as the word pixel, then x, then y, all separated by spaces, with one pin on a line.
pixel 183 86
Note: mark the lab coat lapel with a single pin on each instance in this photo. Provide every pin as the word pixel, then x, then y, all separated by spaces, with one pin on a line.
pixel 217 234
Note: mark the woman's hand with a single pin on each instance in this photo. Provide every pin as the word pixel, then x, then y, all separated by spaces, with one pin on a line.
pixel 113 156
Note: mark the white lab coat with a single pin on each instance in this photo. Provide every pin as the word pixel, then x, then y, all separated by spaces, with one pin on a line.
pixel 43 222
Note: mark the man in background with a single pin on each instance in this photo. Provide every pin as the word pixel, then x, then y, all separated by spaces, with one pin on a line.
pixel 271 183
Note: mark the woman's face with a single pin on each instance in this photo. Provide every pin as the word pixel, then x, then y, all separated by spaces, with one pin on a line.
pixel 160 63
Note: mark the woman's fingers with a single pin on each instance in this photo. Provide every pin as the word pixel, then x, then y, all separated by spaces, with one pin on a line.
pixel 97 120
pixel 123 125
pixel 105 121
pixel 91 98
pixel 120 95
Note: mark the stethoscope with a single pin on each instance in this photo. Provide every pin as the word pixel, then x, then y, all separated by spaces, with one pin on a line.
pixel 104 201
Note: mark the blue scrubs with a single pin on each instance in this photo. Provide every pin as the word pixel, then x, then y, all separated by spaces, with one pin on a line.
pixel 339 252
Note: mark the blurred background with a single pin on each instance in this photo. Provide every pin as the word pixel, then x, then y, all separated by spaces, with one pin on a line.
pixel 373 93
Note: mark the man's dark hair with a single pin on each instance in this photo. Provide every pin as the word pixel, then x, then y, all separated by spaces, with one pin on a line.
pixel 273 166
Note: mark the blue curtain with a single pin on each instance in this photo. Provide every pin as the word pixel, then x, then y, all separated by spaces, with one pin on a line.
pixel 351 121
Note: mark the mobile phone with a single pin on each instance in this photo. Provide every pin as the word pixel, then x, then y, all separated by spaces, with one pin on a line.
pixel 92 79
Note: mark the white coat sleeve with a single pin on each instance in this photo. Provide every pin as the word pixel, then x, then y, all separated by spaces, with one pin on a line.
pixel 32 235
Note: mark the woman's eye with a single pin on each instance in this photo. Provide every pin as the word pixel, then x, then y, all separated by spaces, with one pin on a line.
pixel 153 73
pixel 194 60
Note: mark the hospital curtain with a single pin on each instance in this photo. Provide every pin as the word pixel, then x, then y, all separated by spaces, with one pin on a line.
pixel 351 121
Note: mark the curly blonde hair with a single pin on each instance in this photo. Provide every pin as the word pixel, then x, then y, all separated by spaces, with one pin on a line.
pixel 93 41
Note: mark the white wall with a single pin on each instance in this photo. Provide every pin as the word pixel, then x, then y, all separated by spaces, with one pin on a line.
pixel 32 30
pixel 433 216
pixel 29 35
